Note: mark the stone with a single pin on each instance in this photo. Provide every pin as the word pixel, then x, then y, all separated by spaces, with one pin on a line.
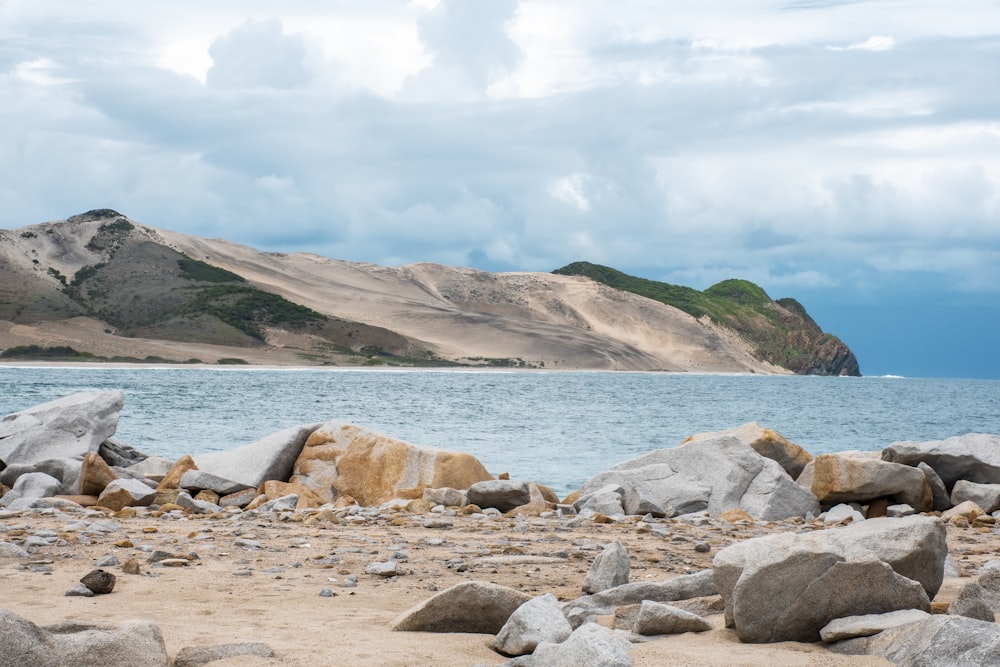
pixel 766 442
pixel 987 496
pixel 172 479
pixel 238 499
pixel 841 513
pixel 186 502
pixel 67 471
pixel 208 496
pixel 788 586
pixel 846 478
pixel 942 500
pixel 9 550
pixel 979 599
pixel 472 606
pixel 538 620
pixel 590 644
pixel 696 585
pixel 33 485
pixel 128 644
pixel 609 569
pixel 66 428
pixel 850 627
pixel 714 475
pixel 101 582
pixel 198 480
pixel 117 453
pixel 340 459
pixel 974 457
pixel 306 497
pixel 656 618
pixel 95 475
pixel 270 458
pixel 446 496
pixel 938 640
pixel 605 500
pixel 968 510
pixel 196 656
pixel 126 493
pixel 80 590
pixel 899 510
pixel 131 566
pixel 384 569
pixel 502 494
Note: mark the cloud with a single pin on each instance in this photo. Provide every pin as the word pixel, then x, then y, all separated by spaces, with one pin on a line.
pixel 257 54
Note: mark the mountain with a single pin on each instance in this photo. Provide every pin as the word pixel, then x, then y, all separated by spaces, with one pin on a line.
pixel 102 285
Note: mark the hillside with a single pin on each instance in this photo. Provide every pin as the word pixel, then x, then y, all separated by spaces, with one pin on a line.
pixel 779 332
pixel 107 286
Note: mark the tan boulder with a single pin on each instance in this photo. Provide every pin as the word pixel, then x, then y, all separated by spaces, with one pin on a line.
pixel 766 442
pixel 857 477
pixel 95 474
pixel 274 489
pixel 172 480
pixel 340 458
pixel 81 500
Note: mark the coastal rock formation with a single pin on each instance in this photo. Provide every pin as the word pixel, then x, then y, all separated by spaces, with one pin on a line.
pixel 130 644
pixel 590 644
pixel 272 457
pixel 340 459
pixel 713 475
pixel 974 457
pixel 473 606
pixel 858 477
pixel 66 428
pixel 788 587
pixel 537 620
pixel 656 618
pixel 938 640
pixel 766 442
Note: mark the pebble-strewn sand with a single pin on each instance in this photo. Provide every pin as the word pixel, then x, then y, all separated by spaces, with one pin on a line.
pixel 234 593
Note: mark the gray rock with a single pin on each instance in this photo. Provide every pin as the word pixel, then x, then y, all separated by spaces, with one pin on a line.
pixel 974 457
pixel 987 496
pixel 841 512
pixel 979 599
pixel 503 494
pixel 9 550
pixel 129 644
pixel 150 467
pixel 196 656
pixel 79 590
pixel 695 585
pixel 896 511
pixel 938 640
pixel 267 459
pixel 198 480
pixel 66 428
pixel 648 487
pixel 31 486
pixel 118 454
pixel 185 500
pixel 472 606
pixel 590 644
pixel 446 496
pixel 714 474
pixel 847 477
pixel 656 618
pixel 606 500
pixel 67 471
pixel 384 569
pixel 942 500
pixel 788 586
pixel 121 493
pixel 282 504
pixel 538 620
pixel 610 569
pixel 850 627
pixel 641 499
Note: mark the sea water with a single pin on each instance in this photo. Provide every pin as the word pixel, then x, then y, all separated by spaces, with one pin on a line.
pixel 559 428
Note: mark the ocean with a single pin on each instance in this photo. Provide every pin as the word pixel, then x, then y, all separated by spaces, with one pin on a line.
pixel 558 428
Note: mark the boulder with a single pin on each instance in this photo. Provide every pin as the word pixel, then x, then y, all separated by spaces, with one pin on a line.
pixel 503 494
pixel 610 569
pixel 343 459
pixel 987 496
pixel 67 471
pixel 10 550
pixel 980 598
pixel 66 428
pixel 446 496
pixel 538 620
pixel 941 499
pixel 172 479
pixel 788 586
pixel 844 478
pixel 196 656
pixel 938 640
pixel 95 474
pixel 128 644
pixel 606 500
pixel 273 490
pixel 656 618
pixel 766 442
pixel 696 585
pixel 590 644
pixel 974 457
pixel 472 606
pixel 197 480
pixel 272 457
pixel 714 475
pixel 966 509
pixel 118 454
pixel 126 493
pixel 850 627
pixel 31 486
pixel 840 514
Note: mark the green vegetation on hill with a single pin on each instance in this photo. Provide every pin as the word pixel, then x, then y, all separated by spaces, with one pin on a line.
pixel 779 332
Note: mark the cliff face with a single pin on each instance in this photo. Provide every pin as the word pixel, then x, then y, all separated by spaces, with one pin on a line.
pixel 778 332
pixel 103 284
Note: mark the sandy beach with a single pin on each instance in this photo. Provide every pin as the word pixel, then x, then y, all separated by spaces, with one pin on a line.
pixel 259 579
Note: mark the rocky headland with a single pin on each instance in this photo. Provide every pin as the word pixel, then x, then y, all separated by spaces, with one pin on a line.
pixel 327 544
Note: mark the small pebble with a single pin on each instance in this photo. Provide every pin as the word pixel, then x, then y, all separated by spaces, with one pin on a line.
pixel 327 593
pixel 702 547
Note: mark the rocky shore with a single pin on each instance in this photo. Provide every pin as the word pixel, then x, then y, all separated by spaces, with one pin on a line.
pixel 328 544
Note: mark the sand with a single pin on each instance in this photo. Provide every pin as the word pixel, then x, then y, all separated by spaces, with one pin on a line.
pixel 209 602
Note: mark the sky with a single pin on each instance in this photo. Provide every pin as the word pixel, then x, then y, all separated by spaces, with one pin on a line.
pixel 842 152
